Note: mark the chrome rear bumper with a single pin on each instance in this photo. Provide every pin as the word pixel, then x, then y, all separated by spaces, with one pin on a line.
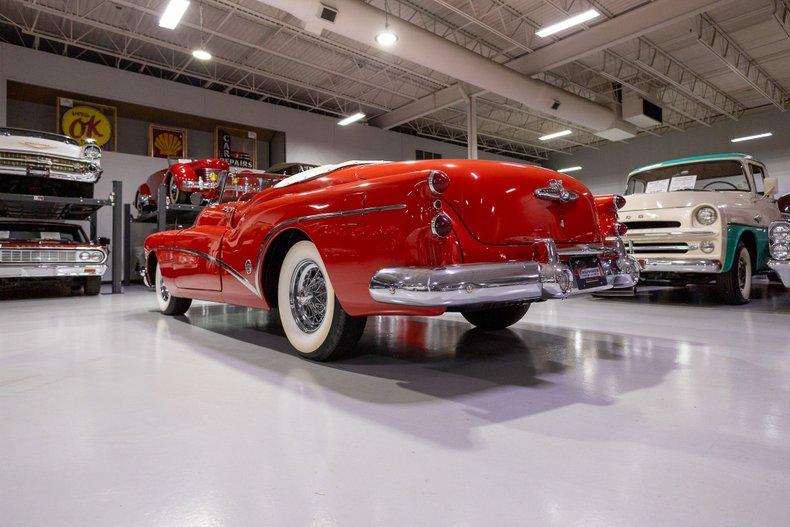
pixel 50 270
pixel 782 268
pixel 679 265
pixel 486 283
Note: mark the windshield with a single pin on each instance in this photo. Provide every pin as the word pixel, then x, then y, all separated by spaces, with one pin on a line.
pixel 242 186
pixel 37 135
pixel 726 175
pixel 24 232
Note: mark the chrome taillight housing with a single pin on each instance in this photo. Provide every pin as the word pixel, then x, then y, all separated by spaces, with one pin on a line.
pixel 438 182
pixel 619 201
pixel 441 225
pixel 620 228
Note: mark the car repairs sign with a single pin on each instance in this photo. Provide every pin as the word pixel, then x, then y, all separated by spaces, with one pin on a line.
pixel 237 147
pixel 85 121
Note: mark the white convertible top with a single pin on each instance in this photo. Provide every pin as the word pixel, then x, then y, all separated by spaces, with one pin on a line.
pixel 319 171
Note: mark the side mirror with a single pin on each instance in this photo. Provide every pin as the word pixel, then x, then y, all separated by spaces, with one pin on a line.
pixel 104 241
pixel 771 185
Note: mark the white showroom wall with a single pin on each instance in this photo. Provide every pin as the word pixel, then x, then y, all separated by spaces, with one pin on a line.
pixel 605 170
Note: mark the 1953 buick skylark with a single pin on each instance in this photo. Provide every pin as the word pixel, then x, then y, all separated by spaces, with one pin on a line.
pixel 337 243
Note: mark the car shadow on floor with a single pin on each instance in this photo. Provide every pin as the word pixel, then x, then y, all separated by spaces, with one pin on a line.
pixel 424 360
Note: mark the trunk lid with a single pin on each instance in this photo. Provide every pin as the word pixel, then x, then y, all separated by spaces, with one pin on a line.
pixel 498 205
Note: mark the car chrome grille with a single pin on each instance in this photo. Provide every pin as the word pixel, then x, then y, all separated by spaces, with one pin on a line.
pixel 671 248
pixel 636 225
pixel 43 162
pixel 12 256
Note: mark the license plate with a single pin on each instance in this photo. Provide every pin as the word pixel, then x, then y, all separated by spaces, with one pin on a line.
pixel 588 272
pixel 40 172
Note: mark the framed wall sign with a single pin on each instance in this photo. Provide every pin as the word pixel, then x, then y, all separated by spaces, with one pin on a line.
pixel 85 120
pixel 236 146
pixel 166 141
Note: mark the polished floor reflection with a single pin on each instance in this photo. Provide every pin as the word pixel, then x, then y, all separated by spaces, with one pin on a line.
pixel 662 409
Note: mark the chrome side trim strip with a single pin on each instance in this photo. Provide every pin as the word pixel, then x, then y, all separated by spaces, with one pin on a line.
pixel 216 261
pixel 321 216
pixel 257 288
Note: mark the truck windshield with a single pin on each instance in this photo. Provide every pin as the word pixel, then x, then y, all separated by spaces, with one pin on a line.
pixel 723 175
pixel 26 232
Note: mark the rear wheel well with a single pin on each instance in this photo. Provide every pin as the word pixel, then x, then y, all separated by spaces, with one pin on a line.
pixel 273 261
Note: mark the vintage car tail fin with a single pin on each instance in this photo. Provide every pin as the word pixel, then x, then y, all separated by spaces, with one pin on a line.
pixel 606 206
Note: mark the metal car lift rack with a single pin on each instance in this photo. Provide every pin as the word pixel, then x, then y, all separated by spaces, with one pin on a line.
pixel 166 216
pixel 29 206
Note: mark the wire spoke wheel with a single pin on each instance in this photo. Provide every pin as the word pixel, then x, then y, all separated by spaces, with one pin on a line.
pixel 308 296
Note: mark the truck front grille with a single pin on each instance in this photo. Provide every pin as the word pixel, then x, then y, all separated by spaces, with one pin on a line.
pixel 636 225
pixel 663 248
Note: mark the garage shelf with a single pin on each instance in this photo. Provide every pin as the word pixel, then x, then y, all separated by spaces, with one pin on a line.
pixel 169 216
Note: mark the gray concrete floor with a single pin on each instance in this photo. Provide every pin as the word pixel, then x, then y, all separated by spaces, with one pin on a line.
pixel 665 409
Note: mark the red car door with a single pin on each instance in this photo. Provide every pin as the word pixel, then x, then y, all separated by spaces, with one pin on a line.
pixel 198 263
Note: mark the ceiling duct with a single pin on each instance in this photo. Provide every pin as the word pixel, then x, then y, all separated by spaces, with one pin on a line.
pixel 362 22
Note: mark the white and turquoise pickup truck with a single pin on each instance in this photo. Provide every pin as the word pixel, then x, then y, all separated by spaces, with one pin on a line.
pixel 702 219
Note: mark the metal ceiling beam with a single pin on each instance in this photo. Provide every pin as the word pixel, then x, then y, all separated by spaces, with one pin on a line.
pixel 712 37
pixel 684 79
pixel 650 17
pixel 782 15
pixel 160 44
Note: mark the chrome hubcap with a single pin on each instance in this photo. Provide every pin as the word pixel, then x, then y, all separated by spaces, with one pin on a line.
pixel 164 294
pixel 742 272
pixel 307 296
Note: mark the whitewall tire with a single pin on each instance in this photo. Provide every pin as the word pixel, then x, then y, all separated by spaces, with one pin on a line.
pixel 169 304
pixel 311 316
pixel 735 286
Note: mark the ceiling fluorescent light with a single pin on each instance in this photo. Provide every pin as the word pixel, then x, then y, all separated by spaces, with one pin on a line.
pixel 555 135
pixel 750 137
pixel 351 119
pixel 581 18
pixel 570 169
pixel 174 10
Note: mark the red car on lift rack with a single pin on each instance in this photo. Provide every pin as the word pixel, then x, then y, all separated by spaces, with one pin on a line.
pixel 197 181
pixel 335 244
pixel 187 182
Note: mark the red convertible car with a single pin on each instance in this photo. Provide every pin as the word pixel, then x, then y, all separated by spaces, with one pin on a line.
pixel 187 182
pixel 336 244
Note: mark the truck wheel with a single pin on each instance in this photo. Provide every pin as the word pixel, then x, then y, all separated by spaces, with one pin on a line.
pixel 735 286
pixel 92 285
pixel 496 317
pixel 311 316
pixel 169 304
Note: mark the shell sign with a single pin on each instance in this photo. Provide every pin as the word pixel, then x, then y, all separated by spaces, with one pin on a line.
pixel 85 120
pixel 168 142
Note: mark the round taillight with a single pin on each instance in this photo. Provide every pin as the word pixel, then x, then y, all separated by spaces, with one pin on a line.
pixel 441 225
pixel 438 181
pixel 619 201
pixel 620 228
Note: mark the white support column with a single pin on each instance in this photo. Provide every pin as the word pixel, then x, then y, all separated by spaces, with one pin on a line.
pixel 3 90
pixel 471 127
